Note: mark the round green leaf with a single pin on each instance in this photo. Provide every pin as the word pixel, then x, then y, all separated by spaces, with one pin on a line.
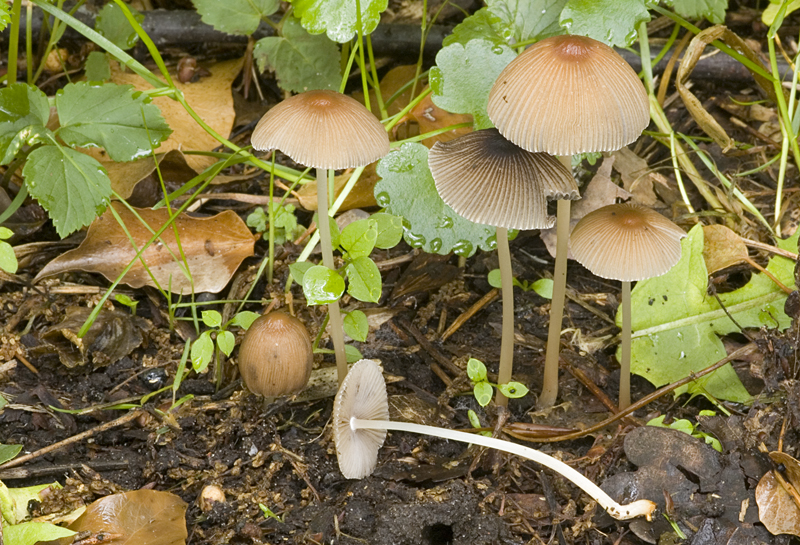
pixel 338 17
pixel 365 280
pixel 390 230
pixel 245 319
pixel 299 269
pixel 356 325
pixel 476 370
pixel 226 341
pixel 358 238
pixel 202 351
pixel 322 285
pixel 8 260
pixel 543 287
pixel 612 22
pixel 513 390
pixel 211 318
pixel 483 393
pixel 529 19
pixel 352 354
pixel 235 16
pixel 494 278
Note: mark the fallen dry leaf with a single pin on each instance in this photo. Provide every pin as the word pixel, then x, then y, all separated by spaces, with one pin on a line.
pixel 361 196
pixel 777 509
pixel 722 248
pixel 430 117
pixel 138 182
pixel 139 517
pixel 213 248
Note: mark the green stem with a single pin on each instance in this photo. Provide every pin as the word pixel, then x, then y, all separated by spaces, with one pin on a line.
pixel 550 381
pixel 29 41
pixel 644 53
pixel 625 362
pixel 324 230
pixel 376 83
pixel 507 339
pixel 13 43
pixel 363 64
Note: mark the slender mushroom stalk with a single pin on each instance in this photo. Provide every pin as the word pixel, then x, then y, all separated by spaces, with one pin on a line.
pixel 566 95
pixel 325 130
pixel 515 186
pixel 363 394
pixel 626 242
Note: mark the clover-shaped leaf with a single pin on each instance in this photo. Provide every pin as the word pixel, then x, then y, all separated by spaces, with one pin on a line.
pixel 338 18
pixel 481 25
pixel 610 21
pixel 235 16
pixel 529 19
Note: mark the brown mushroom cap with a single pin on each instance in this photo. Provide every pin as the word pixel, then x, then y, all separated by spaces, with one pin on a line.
pixel 569 94
pixel 361 395
pixel 322 129
pixel 487 179
pixel 626 242
pixel 276 355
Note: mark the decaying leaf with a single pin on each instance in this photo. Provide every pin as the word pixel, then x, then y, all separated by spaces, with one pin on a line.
pixel 210 97
pixel 113 335
pixel 140 517
pixel 722 248
pixel 138 182
pixel 430 117
pixel 212 247
pixel 361 196
pixel 778 508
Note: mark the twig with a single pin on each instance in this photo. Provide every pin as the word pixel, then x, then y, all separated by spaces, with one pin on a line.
pixel 771 249
pixel 133 415
pixel 423 341
pixel 470 312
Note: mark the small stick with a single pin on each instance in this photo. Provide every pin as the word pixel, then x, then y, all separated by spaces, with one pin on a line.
pixel 26 363
pixel 423 341
pixel 124 419
pixel 470 312
pixel 771 249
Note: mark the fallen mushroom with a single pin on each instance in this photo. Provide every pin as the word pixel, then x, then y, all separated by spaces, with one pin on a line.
pixel 626 242
pixel 361 420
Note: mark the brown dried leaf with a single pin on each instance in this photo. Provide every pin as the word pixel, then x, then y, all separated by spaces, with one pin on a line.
pixel 140 517
pixel 361 196
pixel 430 117
pixel 213 247
pixel 138 183
pixel 777 509
pixel 210 98
pixel 722 248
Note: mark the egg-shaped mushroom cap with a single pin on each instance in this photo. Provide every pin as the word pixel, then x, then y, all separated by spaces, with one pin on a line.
pixel 276 355
pixel 569 94
pixel 361 395
pixel 626 242
pixel 322 129
pixel 487 179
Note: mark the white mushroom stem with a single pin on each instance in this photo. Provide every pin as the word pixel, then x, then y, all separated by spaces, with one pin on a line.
pixel 621 512
pixel 625 346
pixel 324 227
pixel 507 339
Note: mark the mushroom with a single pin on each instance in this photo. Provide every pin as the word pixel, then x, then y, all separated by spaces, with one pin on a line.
pixel 566 95
pixel 360 422
pixel 325 130
pixel 626 242
pixel 276 355
pixel 514 187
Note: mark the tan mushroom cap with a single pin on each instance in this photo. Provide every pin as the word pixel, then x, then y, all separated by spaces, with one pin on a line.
pixel 626 242
pixel 322 129
pixel 569 94
pixel 361 395
pixel 487 179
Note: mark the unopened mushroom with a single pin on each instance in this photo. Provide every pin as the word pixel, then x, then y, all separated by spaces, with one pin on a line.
pixel 566 95
pixel 360 422
pixel 487 179
pixel 626 242
pixel 276 355
pixel 325 130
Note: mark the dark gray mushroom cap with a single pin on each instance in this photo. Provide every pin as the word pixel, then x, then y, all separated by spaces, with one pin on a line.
pixel 487 179
pixel 322 129
pixel 626 242
pixel 361 395
pixel 569 94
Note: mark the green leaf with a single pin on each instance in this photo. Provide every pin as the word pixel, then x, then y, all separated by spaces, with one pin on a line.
pixel 30 533
pixel 202 351
pixel 677 324
pixel 8 260
pixel 322 285
pixel 483 392
pixel 73 187
pixel 543 287
pixel 352 354
pixel 5 14
pixel 390 230
pixel 474 421
pixel 235 16
pixel 364 280
pixel 299 269
pixel 97 67
pixel 112 116
pixel 513 390
pixel 111 23
pixel 612 22
pixel 14 501
pixel 211 318
pixel 464 75
pixel 301 61
pixel 476 370
pixel 772 10
pixel 245 319
pixel 494 278
pixel 481 25
pixel 23 106
pixel 257 219
pixel 529 19
pixel 356 325
pixel 713 10
pixel 9 452
pixel 358 238
pixel 406 189
pixel 226 341
pixel 337 18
